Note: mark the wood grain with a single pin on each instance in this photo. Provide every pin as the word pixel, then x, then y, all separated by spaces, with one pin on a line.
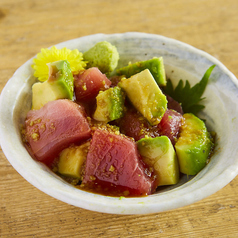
pixel 27 26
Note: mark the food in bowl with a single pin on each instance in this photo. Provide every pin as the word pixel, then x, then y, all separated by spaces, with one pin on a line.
pixel 119 132
pixel 181 61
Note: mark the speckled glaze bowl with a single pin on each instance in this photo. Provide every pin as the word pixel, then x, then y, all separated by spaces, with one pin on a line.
pixel 181 62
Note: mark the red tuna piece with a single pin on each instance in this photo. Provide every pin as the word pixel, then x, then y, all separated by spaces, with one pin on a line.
pixel 174 105
pixel 115 80
pixel 88 83
pixel 54 127
pixel 113 166
pixel 170 125
pixel 133 124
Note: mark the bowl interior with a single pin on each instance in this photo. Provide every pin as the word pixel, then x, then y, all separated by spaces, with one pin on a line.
pixel 181 62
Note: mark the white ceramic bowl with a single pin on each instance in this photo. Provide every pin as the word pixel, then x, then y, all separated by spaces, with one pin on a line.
pixel 182 62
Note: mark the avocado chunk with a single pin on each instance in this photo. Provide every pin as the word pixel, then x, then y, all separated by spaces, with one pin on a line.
pixel 159 153
pixel 110 105
pixel 60 85
pixel 155 66
pixel 72 159
pixel 145 95
pixel 103 55
pixel 193 146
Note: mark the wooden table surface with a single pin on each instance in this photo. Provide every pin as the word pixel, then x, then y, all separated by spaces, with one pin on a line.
pixel 26 26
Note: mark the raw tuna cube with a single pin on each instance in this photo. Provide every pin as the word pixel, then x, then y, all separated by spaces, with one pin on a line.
pixel 174 105
pixel 170 125
pixel 54 127
pixel 88 83
pixel 115 80
pixel 113 166
pixel 133 124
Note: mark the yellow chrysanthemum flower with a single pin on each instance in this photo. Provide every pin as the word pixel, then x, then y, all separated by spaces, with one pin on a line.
pixel 46 56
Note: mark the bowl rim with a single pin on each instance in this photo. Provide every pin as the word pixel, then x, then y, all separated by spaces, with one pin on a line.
pixel 100 203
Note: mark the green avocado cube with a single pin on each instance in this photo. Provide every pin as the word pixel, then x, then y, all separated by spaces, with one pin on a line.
pixel 194 145
pixel 72 159
pixel 145 95
pixel 159 154
pixel 59 85
pixel 110 105
pixel 155 66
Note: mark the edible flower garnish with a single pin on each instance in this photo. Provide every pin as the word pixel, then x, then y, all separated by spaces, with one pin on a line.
pixel 53 54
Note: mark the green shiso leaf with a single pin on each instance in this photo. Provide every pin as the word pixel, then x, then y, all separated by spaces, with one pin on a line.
pixel 188 96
